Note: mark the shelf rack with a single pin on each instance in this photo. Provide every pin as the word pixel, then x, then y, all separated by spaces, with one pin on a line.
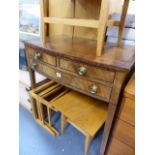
pixel 101 24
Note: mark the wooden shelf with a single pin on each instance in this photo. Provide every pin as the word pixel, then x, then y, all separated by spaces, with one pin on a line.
pixel 73 21
pixel 91 23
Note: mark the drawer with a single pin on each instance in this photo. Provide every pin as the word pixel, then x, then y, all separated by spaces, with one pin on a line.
pixel 127 111
pixel 43 68
pixel 86 86
pixel 37 55
pixel 124 132
pixel 87 71
pixel 116 147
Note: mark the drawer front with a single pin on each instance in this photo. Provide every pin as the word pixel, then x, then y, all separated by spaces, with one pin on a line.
pixel 92 88
pixel 43 68
pixel 37 55
pixel 127 111
pixel 87 71
pixel 116 147
pixel 125 133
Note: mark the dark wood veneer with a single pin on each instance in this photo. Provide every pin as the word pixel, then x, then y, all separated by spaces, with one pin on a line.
pixel 83 50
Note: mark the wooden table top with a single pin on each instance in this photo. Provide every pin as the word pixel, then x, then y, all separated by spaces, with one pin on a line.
pixel 85 112
pixel 84 50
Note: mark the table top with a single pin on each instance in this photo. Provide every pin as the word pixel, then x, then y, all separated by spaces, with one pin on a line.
pixel 85 112
pixel 84 51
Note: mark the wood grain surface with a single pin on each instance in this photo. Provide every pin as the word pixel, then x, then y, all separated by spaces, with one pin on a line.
pixel 83 51
pixel 117 63
pixel 85 112
pixel 91 72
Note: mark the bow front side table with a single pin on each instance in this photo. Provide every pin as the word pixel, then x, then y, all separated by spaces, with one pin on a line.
pixel 74 64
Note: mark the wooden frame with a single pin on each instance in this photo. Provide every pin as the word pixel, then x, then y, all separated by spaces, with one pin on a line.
pixel 101 24
pixel 88 138
pixel 37 97
pixel 87 115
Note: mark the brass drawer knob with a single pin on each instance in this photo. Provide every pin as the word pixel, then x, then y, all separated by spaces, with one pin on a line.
pixel 33 66
pixel 93 89
pixel 37 56
pixel 82 71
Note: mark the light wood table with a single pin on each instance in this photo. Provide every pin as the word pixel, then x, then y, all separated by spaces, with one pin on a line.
pixel 83 112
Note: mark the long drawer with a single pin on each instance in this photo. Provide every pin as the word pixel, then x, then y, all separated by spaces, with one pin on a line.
pixel 90 87
pixel 87 71
pixel 38 55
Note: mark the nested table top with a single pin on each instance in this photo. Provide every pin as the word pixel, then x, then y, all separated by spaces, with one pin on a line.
pixel 85 112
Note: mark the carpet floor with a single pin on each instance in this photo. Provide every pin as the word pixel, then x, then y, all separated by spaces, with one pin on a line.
pixel 35 140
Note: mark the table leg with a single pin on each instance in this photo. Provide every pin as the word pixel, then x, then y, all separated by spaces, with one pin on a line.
pixel 32 77
pixel 113 103
pixel 107 128
pixel 63 123
pixel 87 142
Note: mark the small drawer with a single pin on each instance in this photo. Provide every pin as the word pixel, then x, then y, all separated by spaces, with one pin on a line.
pixel 89 87
pixel 43 68
pixel 87 71
pixel 37 55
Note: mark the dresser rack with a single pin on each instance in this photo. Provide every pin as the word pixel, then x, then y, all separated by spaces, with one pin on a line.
pixel 100 24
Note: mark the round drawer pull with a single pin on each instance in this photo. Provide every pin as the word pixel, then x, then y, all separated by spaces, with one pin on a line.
pixel 37 56
pixel 93 89
pixel 33 66
pixel 82 71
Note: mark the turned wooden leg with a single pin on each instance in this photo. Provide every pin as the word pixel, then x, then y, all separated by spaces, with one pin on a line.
pixel 63 123
pixel 87 142
pixel 32 77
